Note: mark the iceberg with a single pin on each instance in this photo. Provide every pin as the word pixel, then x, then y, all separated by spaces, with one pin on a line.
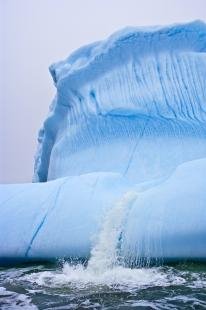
pixel 121 155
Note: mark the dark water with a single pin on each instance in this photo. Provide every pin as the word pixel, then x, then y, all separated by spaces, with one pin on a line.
pixel 65 286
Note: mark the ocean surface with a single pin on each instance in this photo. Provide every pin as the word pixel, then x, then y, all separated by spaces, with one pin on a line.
pixel 65 285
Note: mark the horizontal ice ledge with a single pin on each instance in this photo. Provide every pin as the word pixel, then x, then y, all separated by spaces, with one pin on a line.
pixel 61 218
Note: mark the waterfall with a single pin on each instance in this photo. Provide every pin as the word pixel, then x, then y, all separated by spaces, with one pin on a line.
pixel 105 254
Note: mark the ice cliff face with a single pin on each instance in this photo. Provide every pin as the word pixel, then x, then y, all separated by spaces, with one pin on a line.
pixel 134 104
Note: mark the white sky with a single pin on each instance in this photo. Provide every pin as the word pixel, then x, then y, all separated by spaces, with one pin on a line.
pixel 35 33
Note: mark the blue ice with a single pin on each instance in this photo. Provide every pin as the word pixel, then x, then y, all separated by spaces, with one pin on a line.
pixel 129 116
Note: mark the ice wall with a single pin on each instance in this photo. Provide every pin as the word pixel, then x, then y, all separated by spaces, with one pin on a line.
pixel 133 104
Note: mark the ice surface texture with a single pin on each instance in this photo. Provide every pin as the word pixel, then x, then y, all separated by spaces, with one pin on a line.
pixel 132 104
pixel 129 115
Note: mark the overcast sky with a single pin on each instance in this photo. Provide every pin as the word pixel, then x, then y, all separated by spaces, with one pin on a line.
pixel 35 33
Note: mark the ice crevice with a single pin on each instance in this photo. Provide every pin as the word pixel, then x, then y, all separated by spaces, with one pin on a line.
pixel 44 218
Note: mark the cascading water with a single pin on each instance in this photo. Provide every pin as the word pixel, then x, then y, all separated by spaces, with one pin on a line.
pixel 105 254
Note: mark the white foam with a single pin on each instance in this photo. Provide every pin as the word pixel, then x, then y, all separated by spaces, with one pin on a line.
pixel 12 300
pixel 119 277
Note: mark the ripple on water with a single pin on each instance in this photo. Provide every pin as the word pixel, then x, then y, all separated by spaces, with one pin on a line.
pixel 75 287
